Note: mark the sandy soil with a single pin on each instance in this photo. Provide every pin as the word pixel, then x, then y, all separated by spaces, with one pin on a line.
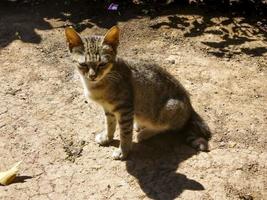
pixel 45 122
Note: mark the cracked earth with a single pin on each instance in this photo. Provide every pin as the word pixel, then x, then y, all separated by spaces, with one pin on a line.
pixel 45 122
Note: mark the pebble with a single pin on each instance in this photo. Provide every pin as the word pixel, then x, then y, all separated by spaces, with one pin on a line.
pixel 172 61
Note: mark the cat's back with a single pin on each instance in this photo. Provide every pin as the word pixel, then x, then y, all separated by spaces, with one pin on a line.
pixel 156 92
pixel 151 78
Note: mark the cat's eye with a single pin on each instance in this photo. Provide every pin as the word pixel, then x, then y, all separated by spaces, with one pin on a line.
pixel 102 64
pixel 82 64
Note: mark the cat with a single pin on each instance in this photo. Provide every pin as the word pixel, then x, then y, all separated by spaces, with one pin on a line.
pixel 131 92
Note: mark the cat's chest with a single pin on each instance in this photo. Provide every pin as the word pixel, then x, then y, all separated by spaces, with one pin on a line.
pixel 93 93
pixel 99 94
pixel 100 97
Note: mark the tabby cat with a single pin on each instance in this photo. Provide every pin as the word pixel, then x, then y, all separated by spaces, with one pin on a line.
pixel 131 91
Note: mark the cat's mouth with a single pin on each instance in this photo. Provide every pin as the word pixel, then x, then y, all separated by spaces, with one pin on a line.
pixel 96 78
pixel 93 79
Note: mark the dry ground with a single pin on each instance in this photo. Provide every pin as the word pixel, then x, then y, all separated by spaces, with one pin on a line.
pixel 45 122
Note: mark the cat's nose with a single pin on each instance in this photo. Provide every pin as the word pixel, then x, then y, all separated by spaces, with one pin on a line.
pixel 92 74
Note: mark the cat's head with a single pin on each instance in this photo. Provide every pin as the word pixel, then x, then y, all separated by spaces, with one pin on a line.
pixel 94 55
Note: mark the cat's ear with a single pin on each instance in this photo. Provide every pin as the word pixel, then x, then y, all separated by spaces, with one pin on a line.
pixel 112 37
pixel 73 38
pixel 76 46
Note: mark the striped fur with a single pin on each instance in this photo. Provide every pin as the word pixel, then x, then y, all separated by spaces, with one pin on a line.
pixel 131 91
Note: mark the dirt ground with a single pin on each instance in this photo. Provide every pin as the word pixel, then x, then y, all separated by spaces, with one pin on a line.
pixel 44 121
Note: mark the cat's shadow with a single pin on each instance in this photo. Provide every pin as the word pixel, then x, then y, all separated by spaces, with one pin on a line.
pixel 154 164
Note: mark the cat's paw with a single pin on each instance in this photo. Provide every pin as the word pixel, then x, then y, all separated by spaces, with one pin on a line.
pixel 102 138
pixel 200 144
pixel 119 155
pixel 137 128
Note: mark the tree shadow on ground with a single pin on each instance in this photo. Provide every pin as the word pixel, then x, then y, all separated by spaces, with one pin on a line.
pixel 20 21
pixel 154 164
pixel 231 30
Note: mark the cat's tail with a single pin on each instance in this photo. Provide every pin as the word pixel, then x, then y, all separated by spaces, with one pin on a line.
pixel 197 133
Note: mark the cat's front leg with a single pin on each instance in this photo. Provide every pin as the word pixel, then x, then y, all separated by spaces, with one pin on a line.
pixel 125 120
pixel 106 136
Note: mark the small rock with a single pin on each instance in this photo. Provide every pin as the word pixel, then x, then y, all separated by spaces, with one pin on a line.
pixel 172 61
pixel 222 144
pixel 246 197
pixel 82 142
pixel 232 144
